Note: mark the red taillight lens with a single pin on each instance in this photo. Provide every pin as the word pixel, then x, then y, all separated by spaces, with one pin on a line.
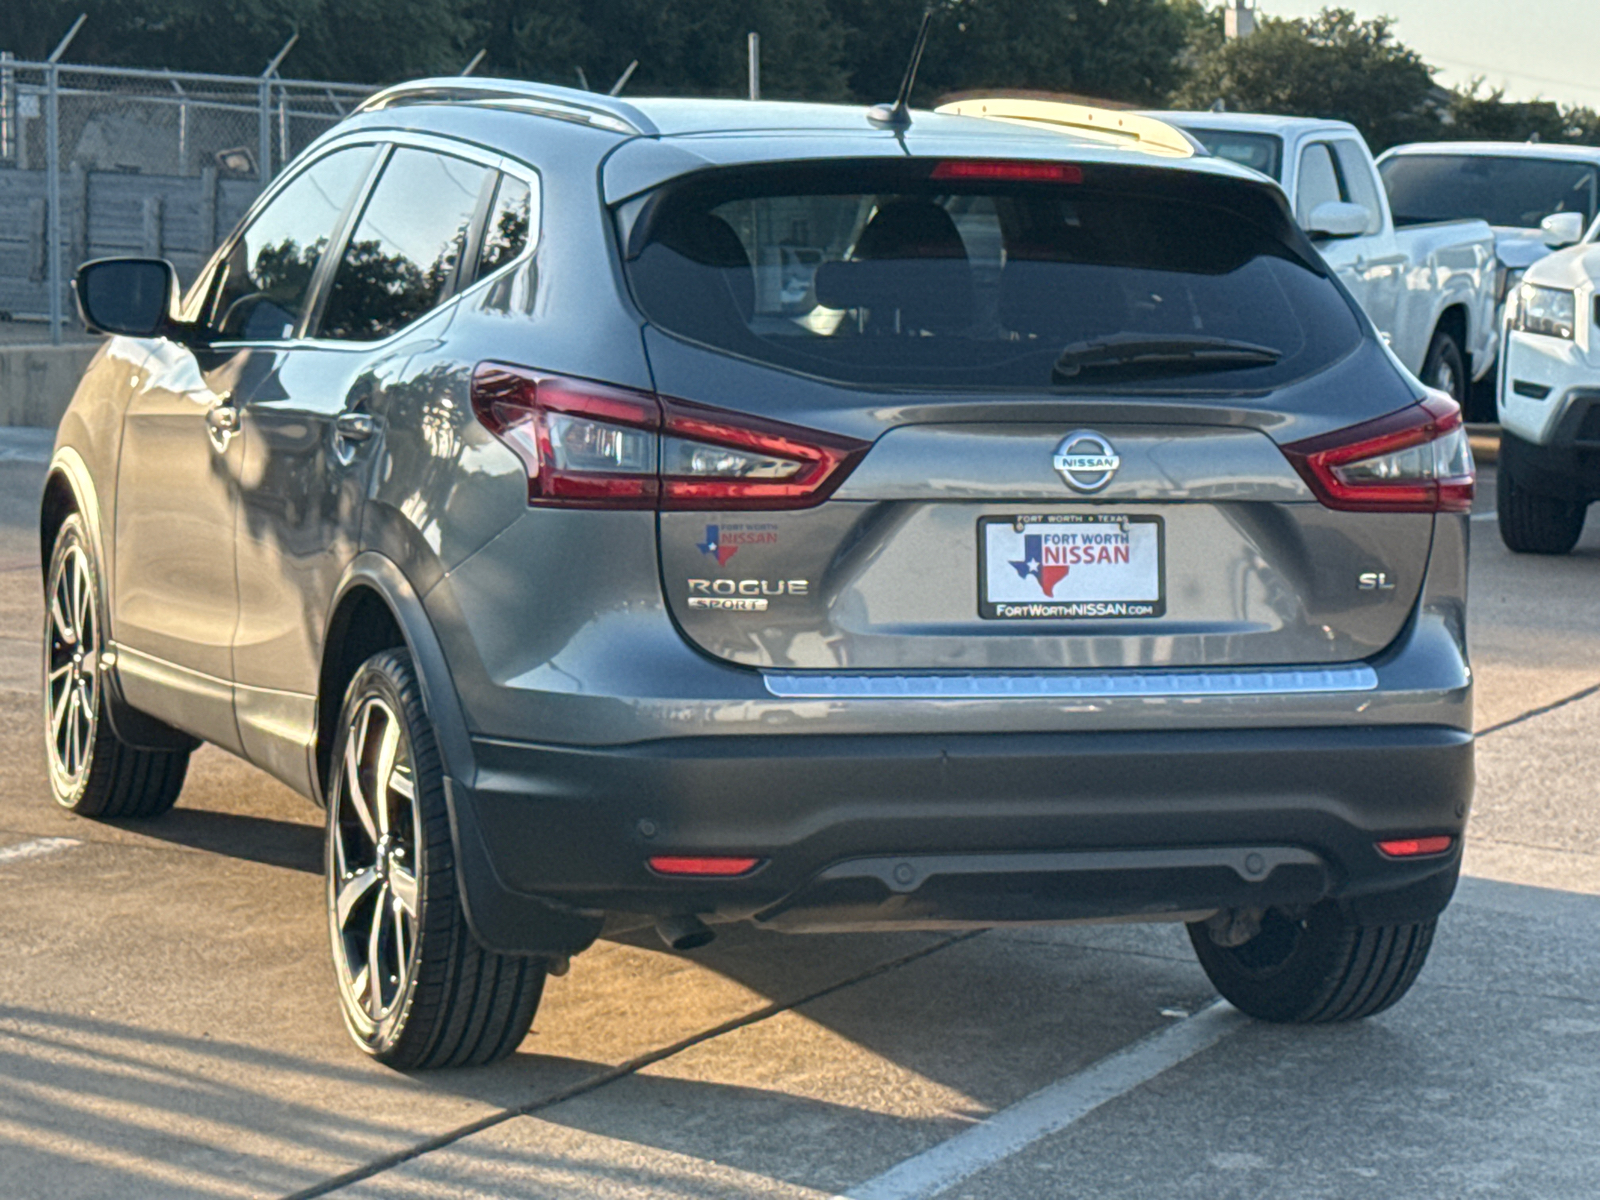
pixel 1415 847
pixel 718 867
pixel 1015 172
pixel 592 445
pixel 712 459
pixel 1414 460
pixel 584 444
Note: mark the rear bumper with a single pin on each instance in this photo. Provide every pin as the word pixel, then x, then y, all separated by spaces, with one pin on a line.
pixel 935 831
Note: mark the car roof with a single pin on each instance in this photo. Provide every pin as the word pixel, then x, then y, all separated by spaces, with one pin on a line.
pixel 1545 150
pixel 657 138
pixel 1254 122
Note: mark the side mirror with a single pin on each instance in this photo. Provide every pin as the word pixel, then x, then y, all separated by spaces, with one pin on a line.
pixel 1338 219
pixel 131 296
pixel 1562 229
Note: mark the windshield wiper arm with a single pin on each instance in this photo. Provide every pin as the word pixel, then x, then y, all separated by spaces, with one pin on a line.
pixel 1129 350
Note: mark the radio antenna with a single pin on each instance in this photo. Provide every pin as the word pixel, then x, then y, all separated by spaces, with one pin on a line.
pixel 898 114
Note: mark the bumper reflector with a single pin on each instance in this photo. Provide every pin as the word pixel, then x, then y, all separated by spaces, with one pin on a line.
pixel 670 865
pixel 1415 847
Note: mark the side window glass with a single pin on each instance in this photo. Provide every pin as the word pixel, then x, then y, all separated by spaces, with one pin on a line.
pixel 1319 182
pixel 510 225
pixel 1358 185
pixel 266 280
pixel 402 258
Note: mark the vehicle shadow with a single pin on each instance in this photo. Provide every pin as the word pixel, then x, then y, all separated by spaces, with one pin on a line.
pixel 291 845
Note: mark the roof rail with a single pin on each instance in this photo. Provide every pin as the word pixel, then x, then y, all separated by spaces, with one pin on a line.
pixel 542 99
pixel 1102 124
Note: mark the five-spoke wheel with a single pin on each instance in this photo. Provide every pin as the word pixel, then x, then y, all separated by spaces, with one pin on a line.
pixel 372 879
pixel 72 670
pixel 93 771
pixel 415 986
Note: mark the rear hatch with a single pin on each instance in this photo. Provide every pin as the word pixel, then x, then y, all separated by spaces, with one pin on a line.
pixel 1049 403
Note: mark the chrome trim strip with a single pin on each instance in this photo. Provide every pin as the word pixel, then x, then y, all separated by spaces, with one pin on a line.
pixel 1074 685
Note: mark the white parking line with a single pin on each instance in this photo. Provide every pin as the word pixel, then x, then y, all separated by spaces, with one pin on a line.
pixel 1051 1109
pixel 1484 516
pixel 37 848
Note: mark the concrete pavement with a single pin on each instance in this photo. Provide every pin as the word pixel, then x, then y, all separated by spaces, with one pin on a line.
pixel 168 1027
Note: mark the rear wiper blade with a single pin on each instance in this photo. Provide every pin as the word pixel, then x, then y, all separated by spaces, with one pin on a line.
pixel 1131 350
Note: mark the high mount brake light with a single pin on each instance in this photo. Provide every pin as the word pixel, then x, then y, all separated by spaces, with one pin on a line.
pixel 1005 170
pixel 1414 460
pixel 592 445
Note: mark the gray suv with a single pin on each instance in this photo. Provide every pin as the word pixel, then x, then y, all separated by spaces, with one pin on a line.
pixel 676 512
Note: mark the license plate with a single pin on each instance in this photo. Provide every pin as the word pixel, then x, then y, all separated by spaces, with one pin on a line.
pixel 1070 567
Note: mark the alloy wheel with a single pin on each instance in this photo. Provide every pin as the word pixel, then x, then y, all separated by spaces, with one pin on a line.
pixel 373 890
pixel 72 672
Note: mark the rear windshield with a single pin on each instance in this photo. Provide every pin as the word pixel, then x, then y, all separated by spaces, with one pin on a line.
pixel 887 276
pixel 1515 191
pixel 1259 151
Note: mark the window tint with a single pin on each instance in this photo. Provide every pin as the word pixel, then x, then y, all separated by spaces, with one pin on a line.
pixel 510 223
pixel 401 260
pixel 1356 174
pixel 267 278
pixel 1516 191
pixel 980 284
pixel 1319 182
pixel 1259 151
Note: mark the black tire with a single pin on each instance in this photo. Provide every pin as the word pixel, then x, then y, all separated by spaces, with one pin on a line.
pixel 439 999
pixel 1535 524
pixel 92 771
pixel 1316 969
pixel 1445 367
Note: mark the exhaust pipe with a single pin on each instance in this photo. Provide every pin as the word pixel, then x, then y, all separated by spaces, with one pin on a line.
pixel 685 932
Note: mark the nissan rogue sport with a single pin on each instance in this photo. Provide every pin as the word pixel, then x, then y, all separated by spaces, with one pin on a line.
pixel 675 512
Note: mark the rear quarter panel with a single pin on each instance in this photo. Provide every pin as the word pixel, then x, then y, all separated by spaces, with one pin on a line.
pixel 1449 264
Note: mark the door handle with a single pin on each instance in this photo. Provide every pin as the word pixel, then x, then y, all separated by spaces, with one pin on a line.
pixel 222 422
pixel 223 419
pixel 355 426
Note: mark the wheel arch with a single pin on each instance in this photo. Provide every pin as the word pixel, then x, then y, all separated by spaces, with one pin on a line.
pixel 376 608
pixel 69 488
pixel 1453 320
pixel 502 920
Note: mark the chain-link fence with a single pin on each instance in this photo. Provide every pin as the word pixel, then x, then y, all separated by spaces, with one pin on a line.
pixel 98 161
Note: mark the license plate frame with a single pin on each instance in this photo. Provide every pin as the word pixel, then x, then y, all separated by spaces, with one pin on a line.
pixel 1050 607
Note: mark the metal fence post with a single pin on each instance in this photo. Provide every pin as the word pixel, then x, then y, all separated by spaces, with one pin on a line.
pixel 52 133
pixel 264 163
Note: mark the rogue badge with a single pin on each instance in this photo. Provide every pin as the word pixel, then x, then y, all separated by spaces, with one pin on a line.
pixel 1086 461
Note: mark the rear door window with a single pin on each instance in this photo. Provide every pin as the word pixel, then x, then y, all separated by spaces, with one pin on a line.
pixel 404 255
pixel 880 275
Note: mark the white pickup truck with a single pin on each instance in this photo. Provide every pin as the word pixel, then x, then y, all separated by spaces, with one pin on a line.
pixel 1431 289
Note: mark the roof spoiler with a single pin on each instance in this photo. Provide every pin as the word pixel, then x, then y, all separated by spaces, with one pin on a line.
pixel 1102 124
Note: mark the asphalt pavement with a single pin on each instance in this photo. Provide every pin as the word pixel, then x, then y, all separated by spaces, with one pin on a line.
pixel 168 1025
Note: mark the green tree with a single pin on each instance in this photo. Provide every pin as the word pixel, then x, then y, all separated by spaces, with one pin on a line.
pixel 1477 114
pixel 357 40
pixel 693 47
pixel 1118 49
pixel 1331 65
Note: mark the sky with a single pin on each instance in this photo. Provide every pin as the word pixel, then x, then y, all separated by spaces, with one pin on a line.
pixel 1535 49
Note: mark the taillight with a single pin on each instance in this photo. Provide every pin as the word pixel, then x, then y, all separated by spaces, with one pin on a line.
pixel 1414 460
pixel 592 445
pixel 1415 847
